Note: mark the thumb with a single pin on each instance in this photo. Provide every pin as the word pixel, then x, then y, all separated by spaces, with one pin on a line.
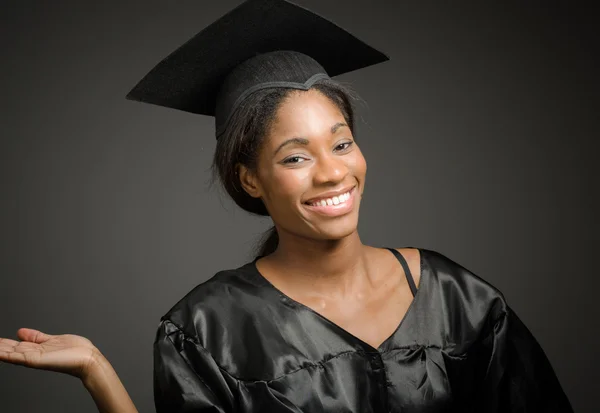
pixel 33 336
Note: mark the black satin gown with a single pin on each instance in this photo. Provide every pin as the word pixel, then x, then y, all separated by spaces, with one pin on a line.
pixel 235 343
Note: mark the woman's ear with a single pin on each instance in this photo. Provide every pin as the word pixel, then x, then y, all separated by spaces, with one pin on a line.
pixel 249 181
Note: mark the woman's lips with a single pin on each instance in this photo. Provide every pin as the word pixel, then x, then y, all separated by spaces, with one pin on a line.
pixel 335 210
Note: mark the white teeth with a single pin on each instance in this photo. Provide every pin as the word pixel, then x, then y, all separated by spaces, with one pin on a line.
pixel 336 200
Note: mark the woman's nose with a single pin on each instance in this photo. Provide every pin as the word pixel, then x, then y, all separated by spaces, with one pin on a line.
pixel 330 168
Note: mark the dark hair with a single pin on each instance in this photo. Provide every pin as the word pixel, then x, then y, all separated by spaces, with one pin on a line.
pixel 242 139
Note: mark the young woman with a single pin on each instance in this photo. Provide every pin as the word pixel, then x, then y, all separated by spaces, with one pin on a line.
pixel 318 321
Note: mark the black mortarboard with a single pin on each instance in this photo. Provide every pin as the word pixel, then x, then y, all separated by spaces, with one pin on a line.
pixel 259 44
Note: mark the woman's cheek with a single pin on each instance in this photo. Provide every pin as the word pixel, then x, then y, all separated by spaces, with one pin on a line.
pixel 295 183
pixel 359 165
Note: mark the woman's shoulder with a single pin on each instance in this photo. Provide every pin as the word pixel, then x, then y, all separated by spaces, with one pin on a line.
pixel 227 294
pixel 220 316
pixel 459 284
pixel 413 258
pixel 464 305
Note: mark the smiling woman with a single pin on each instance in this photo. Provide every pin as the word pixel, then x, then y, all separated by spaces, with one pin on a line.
pixel 308 155
pixel 268 151
pixel 318 321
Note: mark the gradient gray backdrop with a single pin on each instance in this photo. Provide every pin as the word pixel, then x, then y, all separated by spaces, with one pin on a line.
pixel 479 136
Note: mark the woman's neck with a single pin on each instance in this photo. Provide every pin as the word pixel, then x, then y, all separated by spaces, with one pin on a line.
pixel 332 268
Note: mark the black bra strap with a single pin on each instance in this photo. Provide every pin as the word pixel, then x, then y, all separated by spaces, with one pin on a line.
pixel 409 277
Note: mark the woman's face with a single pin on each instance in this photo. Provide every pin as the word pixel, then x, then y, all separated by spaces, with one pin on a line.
pixel 310 172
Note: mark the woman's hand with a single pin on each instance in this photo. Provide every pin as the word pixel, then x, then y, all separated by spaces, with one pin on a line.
pixel 74 355
pixel 67 353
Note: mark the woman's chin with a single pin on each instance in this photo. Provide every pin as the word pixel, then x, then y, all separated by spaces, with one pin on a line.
pixel 337 230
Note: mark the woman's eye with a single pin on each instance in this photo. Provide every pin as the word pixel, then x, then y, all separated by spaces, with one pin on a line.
pixel 299 159
pixel 292 158
pixel 341 146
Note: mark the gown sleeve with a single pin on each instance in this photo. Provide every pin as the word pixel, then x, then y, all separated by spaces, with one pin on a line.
pixel 519 376
pixel 186 377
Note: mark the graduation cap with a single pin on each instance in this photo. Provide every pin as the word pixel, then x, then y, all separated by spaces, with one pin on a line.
pixel 259 44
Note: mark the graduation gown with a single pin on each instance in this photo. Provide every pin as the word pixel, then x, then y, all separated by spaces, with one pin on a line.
pixel 235 343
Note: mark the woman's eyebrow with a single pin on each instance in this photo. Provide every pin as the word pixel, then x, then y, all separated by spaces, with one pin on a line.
pixel 338 125
pixel 296 140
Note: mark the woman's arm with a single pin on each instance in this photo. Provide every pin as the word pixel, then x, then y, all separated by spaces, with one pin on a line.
pixel 186 377
pixel 519 375
pixel 73 355
pixel 106 388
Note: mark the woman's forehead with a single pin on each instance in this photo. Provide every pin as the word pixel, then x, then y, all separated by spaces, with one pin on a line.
pixel 304 113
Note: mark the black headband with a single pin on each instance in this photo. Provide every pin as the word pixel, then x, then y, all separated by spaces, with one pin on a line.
pixel 285 69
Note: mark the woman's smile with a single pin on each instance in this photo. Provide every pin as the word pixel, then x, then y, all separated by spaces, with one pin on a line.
pixel 333 206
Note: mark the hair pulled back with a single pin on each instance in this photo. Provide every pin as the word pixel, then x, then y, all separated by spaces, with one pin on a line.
pixel 242 140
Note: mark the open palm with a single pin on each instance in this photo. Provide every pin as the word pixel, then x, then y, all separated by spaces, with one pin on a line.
pixel 67 353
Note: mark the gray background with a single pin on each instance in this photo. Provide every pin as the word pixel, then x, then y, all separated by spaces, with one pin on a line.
pixel 479 136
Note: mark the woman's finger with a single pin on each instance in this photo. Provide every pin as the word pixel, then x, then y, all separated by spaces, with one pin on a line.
pixel 8 342
pixel 32 335
pixel 14 357
pixel 20 347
